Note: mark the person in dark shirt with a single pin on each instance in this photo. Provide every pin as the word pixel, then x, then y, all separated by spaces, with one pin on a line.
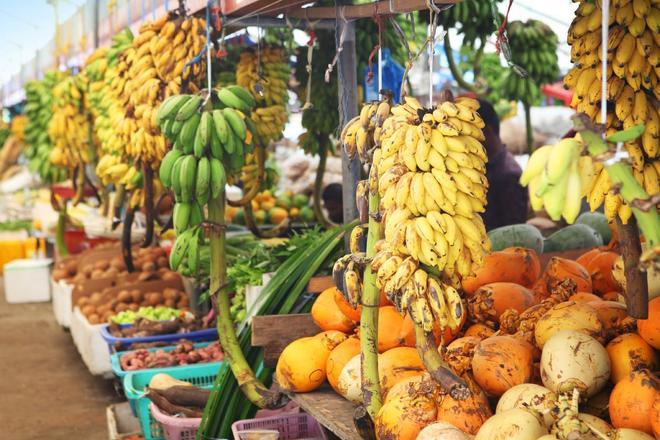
pixel 333 202
pixel 507 199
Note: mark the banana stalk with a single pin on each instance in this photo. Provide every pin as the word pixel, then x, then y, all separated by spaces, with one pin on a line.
pixel 528 126
pixel 251 386
pixel 126 245
pixel 369 315
pixel 148 174
pixel 630 247
pixel 437 368
pixel 318 184
pixel 453 68
pixel 59 234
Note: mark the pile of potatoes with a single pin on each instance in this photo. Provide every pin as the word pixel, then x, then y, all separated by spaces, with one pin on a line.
pixel 146 260
pixel 98 309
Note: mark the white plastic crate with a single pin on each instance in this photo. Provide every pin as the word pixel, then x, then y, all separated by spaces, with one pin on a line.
pixel 90 344
pixel 121 421
pixel 62 307
pixel 27 280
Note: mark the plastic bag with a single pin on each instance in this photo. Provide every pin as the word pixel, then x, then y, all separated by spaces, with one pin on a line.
pixel 392 77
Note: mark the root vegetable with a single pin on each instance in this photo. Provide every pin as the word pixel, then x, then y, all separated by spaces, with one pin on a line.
pixel 568 315
pixel 442 431
pixel 327 315
pixel 628 353
pixel 532 396
pixel 571 359
pixel 514 424
pixel 501 362
pixel 162 381
pixel 632 399
pixel 516 265
pixel 649 328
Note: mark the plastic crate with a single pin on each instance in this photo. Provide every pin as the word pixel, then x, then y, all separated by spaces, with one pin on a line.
pixel 210 334
pixel 175 428
pixel 290 426
pixel 201 375
pixel 119 372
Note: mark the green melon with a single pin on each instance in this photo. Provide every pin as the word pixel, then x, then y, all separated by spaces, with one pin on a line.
pixel 522 235
pixel 577 236
pixel 597 221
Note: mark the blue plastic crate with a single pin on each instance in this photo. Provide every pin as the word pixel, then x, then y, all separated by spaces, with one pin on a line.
pixel 116 366
pixel 201 375
pixel 209 334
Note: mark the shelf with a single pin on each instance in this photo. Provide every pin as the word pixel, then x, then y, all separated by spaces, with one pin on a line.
pixel 331 410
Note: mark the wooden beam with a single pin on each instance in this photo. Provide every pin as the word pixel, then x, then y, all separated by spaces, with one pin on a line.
pixel 365 10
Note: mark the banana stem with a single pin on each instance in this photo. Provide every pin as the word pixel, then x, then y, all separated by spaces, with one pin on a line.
pixel 369 315
pixel 476 63
pixel 439 370
pixel 637 297
pixel 59 234
pixel 453 68
pixel 633 193
pixel 148 175
pixel 252 388
pixel 126 245
pixel 528 126
pixel 318 184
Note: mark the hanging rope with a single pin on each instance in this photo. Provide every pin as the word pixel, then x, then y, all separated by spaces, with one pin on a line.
pixel 501 31
pixel 340 46
pixel 308 68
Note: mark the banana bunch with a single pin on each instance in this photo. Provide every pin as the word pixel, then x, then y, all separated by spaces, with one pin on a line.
pixel 633 67
pixel 38 109
pixel 428 166
pixel 70 127
pixel 148 72
pixel 534 48
pixel 558 177
pixel 204 138
pixel 17 127
pixel 266 77
pixel 473 19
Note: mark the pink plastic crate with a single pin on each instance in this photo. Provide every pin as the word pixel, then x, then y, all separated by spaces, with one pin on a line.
pixel 290 426
pixel 175 428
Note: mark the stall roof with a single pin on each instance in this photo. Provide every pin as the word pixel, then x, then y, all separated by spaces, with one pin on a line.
pixel 294 8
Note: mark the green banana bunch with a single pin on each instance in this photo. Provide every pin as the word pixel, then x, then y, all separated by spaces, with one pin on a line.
pixel 534 48
pixel 473 19
pixel 209 142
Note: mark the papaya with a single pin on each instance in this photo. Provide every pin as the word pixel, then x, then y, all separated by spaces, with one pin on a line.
pixel 522 235
pixel 598 222
pixel 577 236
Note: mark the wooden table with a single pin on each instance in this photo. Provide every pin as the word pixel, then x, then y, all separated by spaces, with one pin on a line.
pixel 331 410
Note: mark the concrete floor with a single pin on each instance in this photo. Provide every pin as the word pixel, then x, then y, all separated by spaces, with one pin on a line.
pixel 46 391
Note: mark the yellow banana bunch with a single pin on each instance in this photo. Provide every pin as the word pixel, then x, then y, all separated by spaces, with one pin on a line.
pixel 266 77
pixel 70 128
pixel 148 72
pixel 633 56
pixel 17 128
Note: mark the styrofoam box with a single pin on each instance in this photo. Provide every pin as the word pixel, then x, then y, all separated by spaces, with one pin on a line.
pixel 90 344
pixel 27 280
pixel 62 308
pixel 121 421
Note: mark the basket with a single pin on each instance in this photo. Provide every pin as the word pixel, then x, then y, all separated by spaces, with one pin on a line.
pixel 175 428
pixel 120 373
pixel 209 334
pixel 201 375
pixel 290 426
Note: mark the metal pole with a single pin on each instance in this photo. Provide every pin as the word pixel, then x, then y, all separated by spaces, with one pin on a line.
pixel 348 109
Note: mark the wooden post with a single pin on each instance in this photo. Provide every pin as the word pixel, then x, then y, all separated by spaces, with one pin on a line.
pixel 637 292
pixel 347 91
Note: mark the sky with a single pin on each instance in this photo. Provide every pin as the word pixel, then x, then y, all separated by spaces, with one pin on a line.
pixel 28 24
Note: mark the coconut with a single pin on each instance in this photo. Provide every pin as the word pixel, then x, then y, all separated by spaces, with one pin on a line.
pixel 529 395
pixel 514 424
pixel 632 400
pixel 629 434
pixel 338 358
pixel 397 364
pixel 596 424
pixel 442 431
pixel 568 315
pixel 467 414
pixel 404 417
pixel 349 384
pixel 501 362
pixel 628 353
pixel 571 359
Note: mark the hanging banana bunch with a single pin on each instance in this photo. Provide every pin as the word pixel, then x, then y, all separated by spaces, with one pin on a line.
pixel 633 67
pixel 38 109
pixel 266 76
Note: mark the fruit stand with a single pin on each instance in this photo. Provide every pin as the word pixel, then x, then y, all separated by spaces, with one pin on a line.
pixel 220 295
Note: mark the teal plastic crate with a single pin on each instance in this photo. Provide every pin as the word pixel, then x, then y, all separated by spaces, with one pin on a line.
pixel 135 382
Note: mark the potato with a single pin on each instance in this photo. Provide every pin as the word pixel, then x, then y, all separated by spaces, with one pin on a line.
pixel 183 299
pixel 104 308
pixel 117 263
pixel 124 296
pixel 59 274
pixel 71 267
pixel 95 298
pixel 162 262
pixel 111 272
pixel 170 293
pixel 94 319
pixel 80 278
pixel 144 276
pixel 101 265
pixel 120 307
pixel 148 266
pixel 107 315
pixel 136 295
pixel 170 276
pixel 170 303
pixel 182 304
pixel 83 301
pixel 87 270
pixel 154 298
pixel 159 252
pixel 134 307
pixel 96 274
pixel 88 310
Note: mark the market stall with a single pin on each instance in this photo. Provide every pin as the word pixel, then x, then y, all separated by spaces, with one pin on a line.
pixel 368 277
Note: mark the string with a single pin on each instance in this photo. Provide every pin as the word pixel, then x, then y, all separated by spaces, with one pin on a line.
pixel 501 36
pixel 340 46
pixel 308 68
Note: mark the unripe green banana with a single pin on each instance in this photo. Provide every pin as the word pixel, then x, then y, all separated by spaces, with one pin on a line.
pixel 181 216
pixel 176 177
pixel 230 100
pixel 203 181
pixel 235 122
pixel 188 177
pixel 244 95
pixel 189 108
pixel 188 133
pixel 171 106
pixel 166 166
pixel 220 125
pixel 218 177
